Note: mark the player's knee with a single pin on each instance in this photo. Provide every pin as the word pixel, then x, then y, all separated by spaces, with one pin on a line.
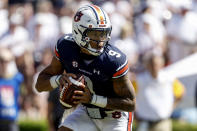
pixel 64 129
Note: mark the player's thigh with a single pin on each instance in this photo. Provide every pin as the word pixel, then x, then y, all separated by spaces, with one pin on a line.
pixel 79 121
pixel 124 123
pixel 64 129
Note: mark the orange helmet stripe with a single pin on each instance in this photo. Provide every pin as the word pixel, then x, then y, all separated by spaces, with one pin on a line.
pixel 100 13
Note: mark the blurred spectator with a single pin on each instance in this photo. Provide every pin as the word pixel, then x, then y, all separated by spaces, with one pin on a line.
pixel 40 99
pixel 65 18
pixel 117 20
pixel 10 82
pixel 29 19
pixel 194 5
pixel 125 9
pixel 16 35
pixel 46 29
pixel 4 23
pixel 58 4
pixel 157 95
pixel 151 33
pixel 127 44
pixel 196 95
pixel 182 31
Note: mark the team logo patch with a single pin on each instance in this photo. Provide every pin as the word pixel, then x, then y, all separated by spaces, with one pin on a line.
pixel 96 72
pixel 78 16
pixel 7 95
pixel 75 64
pixel 116 114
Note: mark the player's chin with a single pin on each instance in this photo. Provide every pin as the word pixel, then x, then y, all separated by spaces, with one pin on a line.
pixel 64 107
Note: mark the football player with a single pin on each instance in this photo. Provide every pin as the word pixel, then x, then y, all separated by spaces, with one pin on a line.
pixel 108 100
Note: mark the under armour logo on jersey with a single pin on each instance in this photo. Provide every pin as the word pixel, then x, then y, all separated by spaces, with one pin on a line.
pixel 116 114
pixel 96 72
pixel 75 64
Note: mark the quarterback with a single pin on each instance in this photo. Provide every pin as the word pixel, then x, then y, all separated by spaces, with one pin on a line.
pixel 108 99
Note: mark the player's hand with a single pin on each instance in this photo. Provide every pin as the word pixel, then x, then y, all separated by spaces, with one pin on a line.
pixel 65 81
pixel 82 96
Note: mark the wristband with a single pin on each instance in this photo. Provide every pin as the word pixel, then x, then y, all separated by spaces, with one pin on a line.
pixel 75 82
pixel 99 101
pixel 54 81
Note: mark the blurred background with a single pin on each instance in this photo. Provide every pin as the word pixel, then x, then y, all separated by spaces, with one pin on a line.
pixel 29 30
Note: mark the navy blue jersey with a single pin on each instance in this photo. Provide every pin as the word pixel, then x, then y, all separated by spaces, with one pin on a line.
pixel 112 63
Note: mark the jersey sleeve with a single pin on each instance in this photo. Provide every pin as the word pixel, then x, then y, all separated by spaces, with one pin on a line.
pixel 122 69
pixel 57 55
pixel 119 62
pixel 63 45
pixel 57 48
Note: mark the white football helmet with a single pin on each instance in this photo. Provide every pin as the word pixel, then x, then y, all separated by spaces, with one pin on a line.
pixel 90 18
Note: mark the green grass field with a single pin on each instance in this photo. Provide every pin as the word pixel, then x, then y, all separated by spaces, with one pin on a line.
pixel 41 125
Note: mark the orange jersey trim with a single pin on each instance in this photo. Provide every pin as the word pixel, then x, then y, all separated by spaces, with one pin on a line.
pixel 57 54
pixel 120 72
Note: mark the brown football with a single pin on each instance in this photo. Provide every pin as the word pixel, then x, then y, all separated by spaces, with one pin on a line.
pixel 67 92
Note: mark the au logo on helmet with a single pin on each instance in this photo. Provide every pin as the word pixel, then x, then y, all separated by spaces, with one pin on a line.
pixel 78 16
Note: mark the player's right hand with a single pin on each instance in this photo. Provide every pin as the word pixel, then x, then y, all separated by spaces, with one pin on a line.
pixel 64 79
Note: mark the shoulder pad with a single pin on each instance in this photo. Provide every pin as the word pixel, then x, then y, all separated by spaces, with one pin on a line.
pixel 69 37
pixel 118 61
pixel 64 44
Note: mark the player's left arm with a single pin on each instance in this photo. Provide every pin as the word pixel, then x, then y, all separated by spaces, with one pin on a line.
pixel 126 95
pixel 123 89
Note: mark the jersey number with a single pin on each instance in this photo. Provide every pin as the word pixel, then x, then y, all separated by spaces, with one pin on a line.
pixel 113 53
pixel 67 37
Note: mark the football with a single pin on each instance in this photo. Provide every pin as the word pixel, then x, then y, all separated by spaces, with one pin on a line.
pixel 67 92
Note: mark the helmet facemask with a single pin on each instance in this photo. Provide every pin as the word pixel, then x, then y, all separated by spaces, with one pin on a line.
pixel 95 45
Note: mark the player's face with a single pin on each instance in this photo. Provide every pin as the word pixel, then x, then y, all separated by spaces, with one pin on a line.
pixel 156 64
pixel 98 39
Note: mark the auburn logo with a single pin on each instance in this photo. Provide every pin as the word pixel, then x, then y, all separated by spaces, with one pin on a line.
pixel 78 16
pixel 116 114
